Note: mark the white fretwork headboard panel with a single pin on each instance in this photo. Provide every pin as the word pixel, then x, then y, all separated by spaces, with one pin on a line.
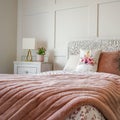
pixel 105 45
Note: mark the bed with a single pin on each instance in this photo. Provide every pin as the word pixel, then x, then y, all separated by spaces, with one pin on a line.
pixel 67 94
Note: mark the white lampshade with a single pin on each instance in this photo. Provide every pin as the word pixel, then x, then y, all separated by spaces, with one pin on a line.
pixel 28 43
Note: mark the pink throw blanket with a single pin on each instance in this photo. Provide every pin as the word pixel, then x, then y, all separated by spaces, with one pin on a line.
pixel 54 97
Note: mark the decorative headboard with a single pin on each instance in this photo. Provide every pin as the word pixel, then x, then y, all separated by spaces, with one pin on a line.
pixel 105 45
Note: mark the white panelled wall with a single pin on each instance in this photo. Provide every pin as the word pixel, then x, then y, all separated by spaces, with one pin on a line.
pixel 56 22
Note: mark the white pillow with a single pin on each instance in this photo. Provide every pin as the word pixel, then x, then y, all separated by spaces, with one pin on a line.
pixel 72 63
pixel 88 61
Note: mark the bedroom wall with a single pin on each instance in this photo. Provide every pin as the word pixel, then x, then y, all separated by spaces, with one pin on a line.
pixel 8 35
pixel 54 23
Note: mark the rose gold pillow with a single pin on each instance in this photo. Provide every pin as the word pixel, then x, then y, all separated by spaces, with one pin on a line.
pixel 109 62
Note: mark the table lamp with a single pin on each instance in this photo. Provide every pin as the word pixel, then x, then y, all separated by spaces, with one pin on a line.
pixel 28 43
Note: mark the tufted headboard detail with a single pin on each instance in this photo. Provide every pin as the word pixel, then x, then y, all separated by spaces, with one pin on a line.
pixel 105 45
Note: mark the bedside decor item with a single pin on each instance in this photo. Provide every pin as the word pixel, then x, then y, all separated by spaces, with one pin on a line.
pixel 28 43
pixel 40 54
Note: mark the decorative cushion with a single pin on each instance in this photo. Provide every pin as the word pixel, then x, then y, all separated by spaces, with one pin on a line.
pixel 88 61
pixel 110 62
pixel 72 63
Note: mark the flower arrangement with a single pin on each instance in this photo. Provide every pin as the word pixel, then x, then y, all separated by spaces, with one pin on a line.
pixel 87 59
pixel 41 51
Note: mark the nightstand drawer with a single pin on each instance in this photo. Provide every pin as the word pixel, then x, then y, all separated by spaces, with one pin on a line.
pixel 26 70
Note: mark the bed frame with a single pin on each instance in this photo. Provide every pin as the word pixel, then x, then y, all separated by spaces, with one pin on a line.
pixel 104 45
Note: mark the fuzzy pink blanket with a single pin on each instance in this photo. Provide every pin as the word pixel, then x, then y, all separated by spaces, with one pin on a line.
pixel 54 97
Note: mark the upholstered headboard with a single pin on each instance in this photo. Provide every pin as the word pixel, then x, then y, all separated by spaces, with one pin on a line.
pixel 105 45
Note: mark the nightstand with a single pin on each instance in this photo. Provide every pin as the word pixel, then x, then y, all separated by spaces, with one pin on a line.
pixel 31 67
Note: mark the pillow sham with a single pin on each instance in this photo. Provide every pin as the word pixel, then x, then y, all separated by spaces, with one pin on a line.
pixel 72 63
pixel 109 62
pixel 88 60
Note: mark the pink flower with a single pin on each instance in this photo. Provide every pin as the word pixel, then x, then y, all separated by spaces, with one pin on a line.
pixel 88 60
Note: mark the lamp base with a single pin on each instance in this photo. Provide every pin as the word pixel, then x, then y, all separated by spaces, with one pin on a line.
pixel 29 56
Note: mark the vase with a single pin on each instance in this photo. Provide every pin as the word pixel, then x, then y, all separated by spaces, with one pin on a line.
pixel 40 58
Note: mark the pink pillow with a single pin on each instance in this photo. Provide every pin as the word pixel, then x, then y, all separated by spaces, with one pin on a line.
pixel 109 62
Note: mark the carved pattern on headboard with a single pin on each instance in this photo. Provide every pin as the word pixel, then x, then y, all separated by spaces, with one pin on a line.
pixel 105 45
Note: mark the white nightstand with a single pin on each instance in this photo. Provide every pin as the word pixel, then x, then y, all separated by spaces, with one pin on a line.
pixel 31 67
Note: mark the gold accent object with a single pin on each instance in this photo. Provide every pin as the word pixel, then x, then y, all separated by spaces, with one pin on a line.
pixel 29 56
